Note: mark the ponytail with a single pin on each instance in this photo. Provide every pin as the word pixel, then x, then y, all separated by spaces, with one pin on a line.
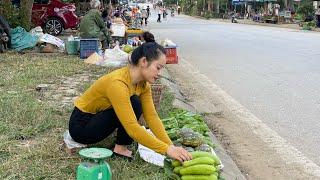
pixel 151 51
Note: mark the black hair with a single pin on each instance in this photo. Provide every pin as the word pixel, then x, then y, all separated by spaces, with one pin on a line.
pixel 105 13
pixel 151 51
pixel 148 37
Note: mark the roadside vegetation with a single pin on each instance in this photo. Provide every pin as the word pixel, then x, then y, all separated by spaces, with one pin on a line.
pixel 209 9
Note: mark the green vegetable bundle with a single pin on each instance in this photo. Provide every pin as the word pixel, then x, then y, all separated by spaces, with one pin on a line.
pixel 181 119
pixel 204 166
pixel 190 131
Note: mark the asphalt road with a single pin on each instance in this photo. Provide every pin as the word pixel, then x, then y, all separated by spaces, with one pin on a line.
pixel 273 72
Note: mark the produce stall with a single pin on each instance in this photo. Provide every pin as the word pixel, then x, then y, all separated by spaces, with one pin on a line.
pixel 132 36
pixel 119 31
pixel 190 131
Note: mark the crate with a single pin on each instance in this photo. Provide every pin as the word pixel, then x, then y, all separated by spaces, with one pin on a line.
pixel 171 54
pixel 88 47
pixel 72 47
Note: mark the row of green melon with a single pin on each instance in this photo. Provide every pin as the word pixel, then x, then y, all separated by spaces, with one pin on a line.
pixel 203 166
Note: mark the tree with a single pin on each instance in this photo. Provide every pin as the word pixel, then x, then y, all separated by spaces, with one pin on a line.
pixel 170 1
pixel 210 4
pixel 17 16
pixel 306 10
pixel 25 13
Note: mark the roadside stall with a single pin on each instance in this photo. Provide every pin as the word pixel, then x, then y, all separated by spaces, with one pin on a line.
pixel 132 36
pixel 271 11
pixel 119 31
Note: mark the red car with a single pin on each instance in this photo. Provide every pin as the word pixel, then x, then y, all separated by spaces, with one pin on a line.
pixel 54 16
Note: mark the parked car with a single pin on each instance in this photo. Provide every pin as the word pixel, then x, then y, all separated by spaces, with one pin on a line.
pixel 53 15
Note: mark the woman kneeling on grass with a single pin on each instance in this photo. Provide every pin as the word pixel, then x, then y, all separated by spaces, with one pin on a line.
pixel 118 99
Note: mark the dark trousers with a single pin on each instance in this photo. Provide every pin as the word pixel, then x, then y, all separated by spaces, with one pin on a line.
pixel 89 128
pixel 159 18
pixel 145 21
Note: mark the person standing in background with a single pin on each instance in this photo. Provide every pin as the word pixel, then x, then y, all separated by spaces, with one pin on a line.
pixel 92 25
pixel 148 10
pixel 138 18
pixel 164 12
pixel 159 14
pixel 106 17
pixel 317 13
pixel 134 11
pixel 144 16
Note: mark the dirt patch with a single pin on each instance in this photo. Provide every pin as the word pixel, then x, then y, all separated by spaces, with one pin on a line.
pixel 255 158
pixel 64 93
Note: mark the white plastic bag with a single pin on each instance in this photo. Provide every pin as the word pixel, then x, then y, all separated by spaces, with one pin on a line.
pixel 168 42
pixel 37 31
pixel 70 38
pixel 70 143
pixel 115 54
pixel 52 40
pixel 149 155
pixel 114 58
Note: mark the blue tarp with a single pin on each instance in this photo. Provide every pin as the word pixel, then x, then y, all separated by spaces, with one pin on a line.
pixel 21 39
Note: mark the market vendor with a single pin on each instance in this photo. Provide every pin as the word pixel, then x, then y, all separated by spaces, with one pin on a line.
pixel 93 26
pixel 118 99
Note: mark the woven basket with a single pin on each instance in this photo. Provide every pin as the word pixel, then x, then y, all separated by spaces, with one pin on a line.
pixel 156 90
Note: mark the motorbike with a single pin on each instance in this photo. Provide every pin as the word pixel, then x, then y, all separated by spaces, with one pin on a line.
pixel 234 19
pixel 172 13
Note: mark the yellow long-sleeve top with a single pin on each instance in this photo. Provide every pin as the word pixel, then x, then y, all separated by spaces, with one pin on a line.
pixel 114 90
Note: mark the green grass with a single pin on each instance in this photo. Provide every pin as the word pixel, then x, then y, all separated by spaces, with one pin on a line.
pixel 32 123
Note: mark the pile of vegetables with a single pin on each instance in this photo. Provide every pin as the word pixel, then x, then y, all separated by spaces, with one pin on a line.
pixel 204 166
pixel 127 48
pixel 190 131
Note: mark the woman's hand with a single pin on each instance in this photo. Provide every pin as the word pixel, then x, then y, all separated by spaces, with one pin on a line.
pixel 178 153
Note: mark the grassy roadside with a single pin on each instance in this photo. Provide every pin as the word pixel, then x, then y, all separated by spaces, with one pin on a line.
pixel 32 122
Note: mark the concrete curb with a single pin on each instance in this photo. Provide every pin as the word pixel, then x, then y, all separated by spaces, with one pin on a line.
pixel 196 106
pixel 179 100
